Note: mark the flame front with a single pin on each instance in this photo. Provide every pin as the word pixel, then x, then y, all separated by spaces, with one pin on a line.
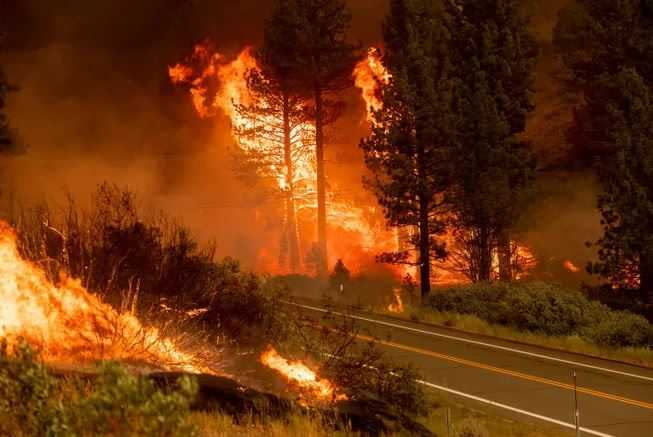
pixel 67 324
pixel 301 375
pixel 357 233
pixel 217 84
pixel 570 266
pixel 398 305
pixel 369 74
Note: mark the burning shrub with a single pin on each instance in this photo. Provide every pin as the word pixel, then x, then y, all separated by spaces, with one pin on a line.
pixel 116 403
pixel 545 308
pixel 359 368
pixel 152 266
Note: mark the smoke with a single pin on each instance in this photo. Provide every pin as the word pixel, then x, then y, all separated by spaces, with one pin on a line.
pixel 563 218
pixel 95 104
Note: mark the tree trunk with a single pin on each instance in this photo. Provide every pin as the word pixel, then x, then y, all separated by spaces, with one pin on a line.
pixel 484 255
pixel 424 248
pixel 291 223
pixel 321 182
pixel 505 256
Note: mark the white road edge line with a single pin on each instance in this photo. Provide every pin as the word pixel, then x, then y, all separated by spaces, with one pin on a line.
pixel 479 343
pixel 513 409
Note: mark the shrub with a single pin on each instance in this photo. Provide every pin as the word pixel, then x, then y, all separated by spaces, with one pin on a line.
pixel 116 403
pixel 621 328
pixel 360 369
pixel 25 391
pixel 547 309
pixel 242 306
pixel 117 252
pixel 121 404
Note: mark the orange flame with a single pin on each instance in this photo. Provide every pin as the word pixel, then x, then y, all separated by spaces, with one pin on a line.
pixel 369 74
pixel 217 84
pixel 398 305
pixel 67 324
pixel 569 265
pixel 301 375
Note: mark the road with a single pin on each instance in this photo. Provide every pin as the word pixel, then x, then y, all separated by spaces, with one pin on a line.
pixel 519 381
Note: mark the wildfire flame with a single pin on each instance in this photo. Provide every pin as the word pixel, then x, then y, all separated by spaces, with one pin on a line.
pixel 398 305
pixel 369 74
pixel 570 266
pixel 217 84
pixel 67 324
pixel 300 374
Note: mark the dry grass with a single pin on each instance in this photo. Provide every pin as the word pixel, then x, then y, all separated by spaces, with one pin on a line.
pixel 488 424
pixel 220 425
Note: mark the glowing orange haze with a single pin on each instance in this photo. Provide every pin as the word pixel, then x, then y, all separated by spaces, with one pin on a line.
pixel 356 234
pixel 398 305
pixel 298 373
pixel 354 237
pixel 368 74
pixel 67 324
pixel 569 265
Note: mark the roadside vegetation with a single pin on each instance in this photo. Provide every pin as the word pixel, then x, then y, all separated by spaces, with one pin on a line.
pixel 540 314
pixel 36 401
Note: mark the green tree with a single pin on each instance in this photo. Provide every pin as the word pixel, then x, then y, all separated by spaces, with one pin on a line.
pixel 495 58
pixel 603 36
pixel 409 148
pixel 595 37
pixel 326 60
pixel 626 205
pixel 278 113
pixel 607 46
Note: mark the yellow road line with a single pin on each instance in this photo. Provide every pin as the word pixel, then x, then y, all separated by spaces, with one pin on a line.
pixel 512 373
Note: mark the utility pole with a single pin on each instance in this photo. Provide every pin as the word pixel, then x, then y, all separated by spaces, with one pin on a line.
pixel 576 412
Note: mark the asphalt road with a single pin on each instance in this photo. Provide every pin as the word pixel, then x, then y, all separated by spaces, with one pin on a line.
pixel 519 381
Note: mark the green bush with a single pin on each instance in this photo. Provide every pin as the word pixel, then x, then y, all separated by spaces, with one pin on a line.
pixel 547 309
pixel 115 403
pixel 25 394
pixel 621 328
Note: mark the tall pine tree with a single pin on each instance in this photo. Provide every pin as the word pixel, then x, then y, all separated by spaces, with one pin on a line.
pixel 607 46
pixel 495 57
pixel 278 113
pixel 409 148
pixel 326 59
pixel 626 205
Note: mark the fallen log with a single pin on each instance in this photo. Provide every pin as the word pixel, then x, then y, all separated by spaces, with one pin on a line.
pixel 368 416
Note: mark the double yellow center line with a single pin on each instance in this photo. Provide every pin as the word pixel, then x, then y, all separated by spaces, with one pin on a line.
pixel 512 373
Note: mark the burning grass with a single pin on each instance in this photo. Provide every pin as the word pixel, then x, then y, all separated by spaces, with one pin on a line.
pixel 69 325
pixel 300 375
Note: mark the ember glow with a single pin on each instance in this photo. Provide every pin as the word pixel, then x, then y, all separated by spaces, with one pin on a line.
pixel 398 305
pixel 218 85
pixel 369 74
pixel 570 266
pixel 68 325
pixel 298 373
